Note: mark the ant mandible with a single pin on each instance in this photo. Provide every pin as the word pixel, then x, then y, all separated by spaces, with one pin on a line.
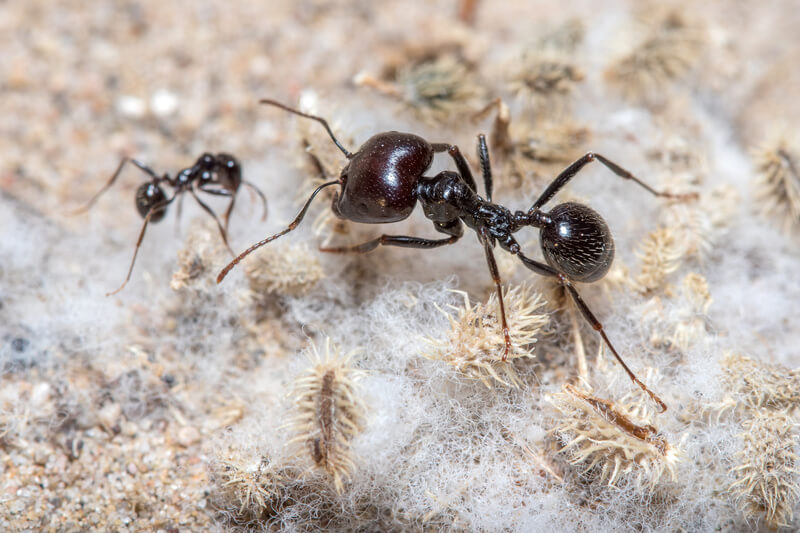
pixel 384 179
pixel 218 175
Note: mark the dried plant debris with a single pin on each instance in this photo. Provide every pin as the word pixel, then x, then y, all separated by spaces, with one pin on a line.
pixel 538 149
pixel 200 258
pixel 754 384
pixel 607 442
pixel 475 344
pixel 767 476
pixel 778 182
pixel 290 269
pixel 660 255
pixel 437 88
pixel 545 80
pixel 328 412
pixel 321 159
pixel 670 50
pixel 248 488
pixel 691 326
pixel 697 226
pixel 567 37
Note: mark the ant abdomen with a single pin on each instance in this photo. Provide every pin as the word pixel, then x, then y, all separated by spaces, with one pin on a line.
pixel 148 195
pixel 577 242
pixel 379 183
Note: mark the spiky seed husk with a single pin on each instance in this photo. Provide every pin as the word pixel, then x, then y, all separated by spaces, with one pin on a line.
pixel 328 412
pixel 660 254
pixel 248 488
pixel 283 269
pixel 767 474
pixel 670 52
pixel 778 183
pixel 546 80
pixel 605 439
pixel 199 258
pixel 755 384
pixel 475 344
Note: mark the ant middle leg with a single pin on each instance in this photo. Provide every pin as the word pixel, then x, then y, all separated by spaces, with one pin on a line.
pixel 227 194
pixel 570 172
pixel 144 168
pixel 260 194
pixel 486 166
pixel 483 236
pixel 547 270
pixel 158 208
pixel 460 161
pixel 454 229
pixel 222 229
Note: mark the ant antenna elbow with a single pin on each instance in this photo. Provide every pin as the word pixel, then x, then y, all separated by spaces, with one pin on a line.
pixel 312 117
pixel 290 227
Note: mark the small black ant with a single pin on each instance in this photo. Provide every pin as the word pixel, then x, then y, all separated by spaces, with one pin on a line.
pixel 384 179
pixel 218 175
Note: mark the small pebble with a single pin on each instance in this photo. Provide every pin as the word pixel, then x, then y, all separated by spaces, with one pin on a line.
pixel 163 103
pixel 187 436
pixel 130 106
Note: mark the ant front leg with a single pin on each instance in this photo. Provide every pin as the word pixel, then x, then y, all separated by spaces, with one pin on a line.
pixel 222 230
pixel 570 172
pixel 486 240
pixel 260 194
pixel 158 208
pixel 454 229
pixel 223 192
pixel 460 161
pixel 547 270
pixel 486 166
pixel 144 168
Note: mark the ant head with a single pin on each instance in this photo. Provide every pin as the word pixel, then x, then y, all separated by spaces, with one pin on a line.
pixel 577 242
pixel 229 171
pixel 149 195
pixel 379 183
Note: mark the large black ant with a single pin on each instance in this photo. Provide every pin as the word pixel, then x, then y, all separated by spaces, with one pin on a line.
pixel 383 181
pixel 218 175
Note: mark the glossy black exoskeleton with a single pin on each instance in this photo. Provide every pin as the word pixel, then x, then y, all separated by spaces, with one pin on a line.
pixel 218 175
pixel 384 180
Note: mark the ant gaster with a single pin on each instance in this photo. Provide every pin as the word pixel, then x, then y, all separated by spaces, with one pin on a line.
pixel 218 175
pixel 384 179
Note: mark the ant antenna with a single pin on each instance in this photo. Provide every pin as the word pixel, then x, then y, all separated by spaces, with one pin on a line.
pixel 312 117
pixel 289 228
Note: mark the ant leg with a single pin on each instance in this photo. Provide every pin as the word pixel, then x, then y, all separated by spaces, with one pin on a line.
pixel 483 236
pixel 461 163
pixel 227 194
pixel 290 227
pixel 486 166
pixel 260 195
pixel 114 177
pixel 570 172
pixel 453 228
pixel 312 117
pixel 155 209
pixel 226 217
pixel 403 241
pixel 222 230
pixel 546 270
pixel 178 211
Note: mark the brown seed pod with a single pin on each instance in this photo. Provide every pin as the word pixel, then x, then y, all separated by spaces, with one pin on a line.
pixel 605 439
pixel 328 412
pixel 475 344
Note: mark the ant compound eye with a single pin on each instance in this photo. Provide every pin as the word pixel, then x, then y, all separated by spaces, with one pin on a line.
pixel 577 242
pixel 149 195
